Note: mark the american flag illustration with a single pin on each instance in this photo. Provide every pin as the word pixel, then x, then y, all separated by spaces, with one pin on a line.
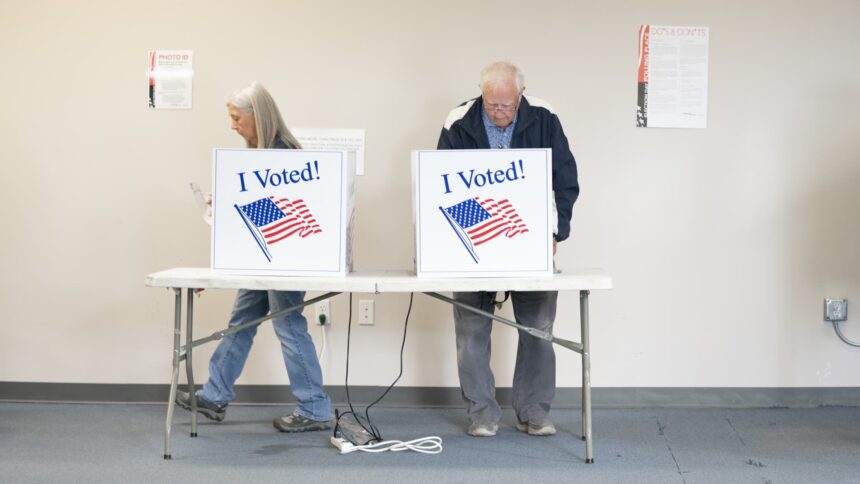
pixel 272 220
pixel 477 221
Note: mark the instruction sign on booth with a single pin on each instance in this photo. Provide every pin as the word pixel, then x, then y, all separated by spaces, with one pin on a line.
pixel 483 213
pixel 282 212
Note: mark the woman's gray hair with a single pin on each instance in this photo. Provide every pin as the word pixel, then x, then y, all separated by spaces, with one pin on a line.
pixel 270 125
pixel 500 72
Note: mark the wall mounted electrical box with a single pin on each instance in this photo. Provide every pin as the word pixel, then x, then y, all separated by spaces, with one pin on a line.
pixel 835 309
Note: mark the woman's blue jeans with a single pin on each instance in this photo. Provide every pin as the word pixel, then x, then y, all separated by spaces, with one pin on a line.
pixel 300 356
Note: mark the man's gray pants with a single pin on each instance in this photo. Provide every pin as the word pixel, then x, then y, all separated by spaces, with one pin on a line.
pixel 534 372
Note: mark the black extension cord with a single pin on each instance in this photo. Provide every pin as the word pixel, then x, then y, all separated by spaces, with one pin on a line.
pixel 364 432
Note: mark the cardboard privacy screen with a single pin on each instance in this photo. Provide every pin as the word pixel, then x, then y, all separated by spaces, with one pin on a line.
pixel 282 212
pixel 483 213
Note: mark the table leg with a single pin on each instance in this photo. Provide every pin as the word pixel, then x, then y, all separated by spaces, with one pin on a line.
pixel 189 366
pixel 586 377
pixel 175 373
pixel 178 354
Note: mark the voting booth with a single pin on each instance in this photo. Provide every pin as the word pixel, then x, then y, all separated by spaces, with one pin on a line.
pixel 483 213
pixel 282 212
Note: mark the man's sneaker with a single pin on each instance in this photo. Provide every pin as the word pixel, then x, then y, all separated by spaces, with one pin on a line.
pixel 298 423
pixel 204 407
pixel 482 429
pixel 537 428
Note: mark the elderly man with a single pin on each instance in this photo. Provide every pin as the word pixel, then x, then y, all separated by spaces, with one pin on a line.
pixel 501 118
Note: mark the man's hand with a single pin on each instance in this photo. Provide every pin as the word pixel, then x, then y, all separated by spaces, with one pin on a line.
pixel 554 246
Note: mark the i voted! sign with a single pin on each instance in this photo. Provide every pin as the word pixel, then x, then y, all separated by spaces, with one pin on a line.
pixel 282 212
pixel 484 213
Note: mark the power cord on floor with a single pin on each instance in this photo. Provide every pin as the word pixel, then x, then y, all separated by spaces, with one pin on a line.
pixel 346 436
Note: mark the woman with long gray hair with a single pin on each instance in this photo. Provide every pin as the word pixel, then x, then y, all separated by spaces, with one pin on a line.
pixel 256 118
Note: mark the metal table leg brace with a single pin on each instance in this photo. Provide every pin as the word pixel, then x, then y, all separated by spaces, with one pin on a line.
pixel 183 353
pixel 581 348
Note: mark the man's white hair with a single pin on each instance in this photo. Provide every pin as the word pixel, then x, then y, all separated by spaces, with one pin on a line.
pixel 502 71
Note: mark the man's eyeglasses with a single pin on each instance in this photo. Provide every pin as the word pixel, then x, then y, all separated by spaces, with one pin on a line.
pixel 502 108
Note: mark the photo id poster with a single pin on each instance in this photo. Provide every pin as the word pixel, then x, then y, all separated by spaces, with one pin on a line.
pixel 282 212
pixel 484 213
pixel 672 77
pixel 170 75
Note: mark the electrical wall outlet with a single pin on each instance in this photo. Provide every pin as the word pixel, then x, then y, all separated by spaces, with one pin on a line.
pixel 365 312
pixel 323 312
pixel 835 309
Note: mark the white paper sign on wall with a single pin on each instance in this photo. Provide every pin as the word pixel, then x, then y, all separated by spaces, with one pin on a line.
pixel 282 212
pixel 484 213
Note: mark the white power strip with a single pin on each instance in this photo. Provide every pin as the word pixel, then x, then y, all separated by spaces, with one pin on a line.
pixel 426 445
pixel 343 445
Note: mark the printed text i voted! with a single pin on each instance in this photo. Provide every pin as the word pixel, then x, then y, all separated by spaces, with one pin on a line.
pixel 470 178
pixel 268 178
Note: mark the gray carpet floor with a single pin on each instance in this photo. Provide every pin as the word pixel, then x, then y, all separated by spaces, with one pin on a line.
pixel 123 443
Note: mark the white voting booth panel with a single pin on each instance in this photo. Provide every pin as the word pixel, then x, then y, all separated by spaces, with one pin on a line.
pixel 282 212
pixel 483 213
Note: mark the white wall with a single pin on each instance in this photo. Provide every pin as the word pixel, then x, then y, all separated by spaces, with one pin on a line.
pixel 722 242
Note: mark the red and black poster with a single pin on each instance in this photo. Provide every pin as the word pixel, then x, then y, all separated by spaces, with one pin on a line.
pixel 672 77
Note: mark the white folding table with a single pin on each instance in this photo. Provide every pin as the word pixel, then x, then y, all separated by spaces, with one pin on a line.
pixel 191 279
